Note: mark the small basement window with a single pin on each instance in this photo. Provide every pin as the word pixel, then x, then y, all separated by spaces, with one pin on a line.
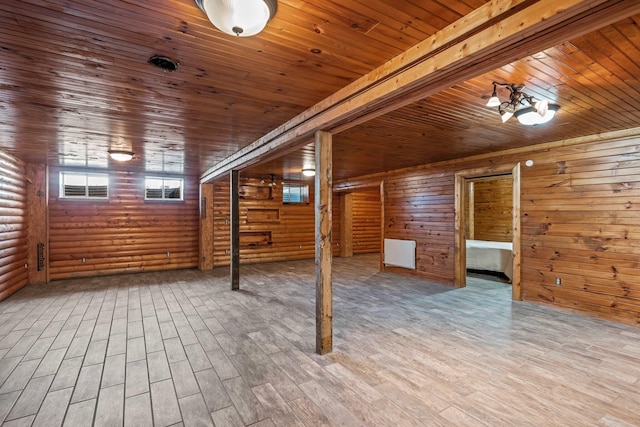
pixel 295 193
pixel 78 185
pixel 163 188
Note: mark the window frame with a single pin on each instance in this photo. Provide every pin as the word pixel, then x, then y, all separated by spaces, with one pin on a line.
pixel 86 175
pixel 163 198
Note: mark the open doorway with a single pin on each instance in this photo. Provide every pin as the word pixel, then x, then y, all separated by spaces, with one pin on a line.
pixel 360 221
pixel 511 175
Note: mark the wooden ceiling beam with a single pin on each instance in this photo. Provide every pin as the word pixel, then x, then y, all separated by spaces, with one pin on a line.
pixel 489 37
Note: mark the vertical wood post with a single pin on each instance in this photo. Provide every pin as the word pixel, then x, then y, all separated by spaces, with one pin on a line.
pixel 383 226
pixel 206 227
pixel 516 278
pixel 234 221
pixel 471 214
pixel 460 273
pixel 323 199
pixel 346 225
pixel 38 220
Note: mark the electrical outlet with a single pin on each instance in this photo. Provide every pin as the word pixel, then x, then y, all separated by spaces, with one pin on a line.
pixel 168 254
pixel 558 281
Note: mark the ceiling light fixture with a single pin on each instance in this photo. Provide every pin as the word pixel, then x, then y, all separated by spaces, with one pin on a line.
pixel 121 155
pixel 309 172
pixel 242 18
pixel 533 113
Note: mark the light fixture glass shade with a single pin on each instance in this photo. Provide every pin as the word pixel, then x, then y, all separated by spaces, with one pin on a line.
pixel 530 116
pixel 505 115
pixel 242 18
pixel 121 155
pixel 309 172
pixel 494 101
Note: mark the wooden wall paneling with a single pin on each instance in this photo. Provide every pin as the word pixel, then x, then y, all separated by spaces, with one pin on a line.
pixel 324 246
pixel 366 221
pixel 206 259
pixel 234 233
pixel 124 233
pixel 421 208
pixel 492 207
pixel 578 220
pixel 38 220
pixel 291 235
pixel 13 225
pixel 346 224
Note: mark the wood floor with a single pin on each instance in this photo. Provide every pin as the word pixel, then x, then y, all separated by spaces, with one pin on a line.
pixel 179 348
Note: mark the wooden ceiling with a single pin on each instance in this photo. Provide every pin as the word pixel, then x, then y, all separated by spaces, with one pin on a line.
pixel 75 81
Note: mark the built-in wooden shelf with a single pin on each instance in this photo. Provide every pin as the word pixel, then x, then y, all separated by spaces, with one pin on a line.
pixel 255 192
pixel 249 239
pixel 263 215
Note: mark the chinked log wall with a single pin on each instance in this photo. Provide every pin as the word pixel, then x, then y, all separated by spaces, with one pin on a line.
pixel 13 225
pixel 580 222
pixel 122 234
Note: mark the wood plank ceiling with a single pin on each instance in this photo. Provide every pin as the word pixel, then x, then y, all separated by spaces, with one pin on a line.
pixel 75 82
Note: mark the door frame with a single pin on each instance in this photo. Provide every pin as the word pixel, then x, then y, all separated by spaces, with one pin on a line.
pixel 460 274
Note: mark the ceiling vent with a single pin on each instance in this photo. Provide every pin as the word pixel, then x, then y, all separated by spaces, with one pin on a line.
pixel 164 62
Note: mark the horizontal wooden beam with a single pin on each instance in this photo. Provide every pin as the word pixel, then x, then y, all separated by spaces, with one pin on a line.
pixel 490 37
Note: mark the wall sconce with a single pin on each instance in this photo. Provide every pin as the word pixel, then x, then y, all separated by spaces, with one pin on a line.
pixel 536 113
pixel 242 18
pixel 121 155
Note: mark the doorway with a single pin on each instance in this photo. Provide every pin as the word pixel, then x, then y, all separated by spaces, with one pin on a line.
pixel 461 219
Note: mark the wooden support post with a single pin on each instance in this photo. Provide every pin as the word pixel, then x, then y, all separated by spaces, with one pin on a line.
pixel 323 199
pixel 206 227
pixel 234 220
pixel 38 220
pixel 471 206
pixel 346 225
pixel 383 227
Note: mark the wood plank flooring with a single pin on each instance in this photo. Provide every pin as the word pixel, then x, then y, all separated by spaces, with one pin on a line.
pixel 179 348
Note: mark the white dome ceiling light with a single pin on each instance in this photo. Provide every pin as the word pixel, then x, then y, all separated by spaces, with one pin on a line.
pixel 243 18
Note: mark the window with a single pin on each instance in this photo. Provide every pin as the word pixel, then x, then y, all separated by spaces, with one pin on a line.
pixel 77 185
pixel 295 193
pixel 163 188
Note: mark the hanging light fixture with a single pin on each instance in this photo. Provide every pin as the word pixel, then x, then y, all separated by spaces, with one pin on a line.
pixel 121 155
pixel 533 113
pixel 242 18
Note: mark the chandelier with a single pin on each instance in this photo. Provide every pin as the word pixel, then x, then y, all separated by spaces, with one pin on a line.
pixel 525 108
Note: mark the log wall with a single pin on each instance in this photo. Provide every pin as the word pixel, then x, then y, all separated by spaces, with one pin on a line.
pixel 366 222
pixel 124 233
pixel 269 229
pixel 580 221
pixel 13 225
pixel 492 205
